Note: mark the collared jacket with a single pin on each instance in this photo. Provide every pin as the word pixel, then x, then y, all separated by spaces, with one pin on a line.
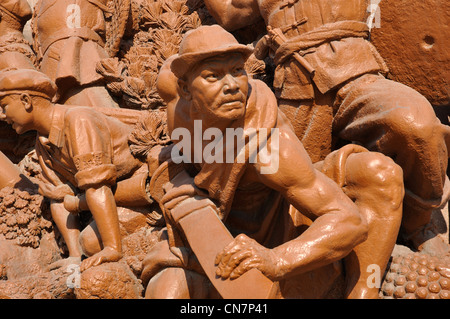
pixel 86 148
pixel 70 39
pixel 332 36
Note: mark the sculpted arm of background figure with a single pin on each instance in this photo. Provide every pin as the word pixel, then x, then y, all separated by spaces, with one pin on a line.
pixel 336 229
pixel 234 14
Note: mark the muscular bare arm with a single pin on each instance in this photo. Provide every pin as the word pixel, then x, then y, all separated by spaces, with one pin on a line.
pixel 336 229
pixel 234 14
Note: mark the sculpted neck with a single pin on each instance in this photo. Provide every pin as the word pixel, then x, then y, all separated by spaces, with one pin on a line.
pixel 43 117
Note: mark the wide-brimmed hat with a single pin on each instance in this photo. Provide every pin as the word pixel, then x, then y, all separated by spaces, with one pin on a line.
pixel 202 43
pixel 19 10
pixel 28 81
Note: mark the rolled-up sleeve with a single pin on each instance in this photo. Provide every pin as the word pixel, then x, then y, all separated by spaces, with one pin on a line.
pixel 90 141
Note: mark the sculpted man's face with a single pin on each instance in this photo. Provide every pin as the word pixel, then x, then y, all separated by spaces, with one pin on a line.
pixel 16 110
pixel 218 87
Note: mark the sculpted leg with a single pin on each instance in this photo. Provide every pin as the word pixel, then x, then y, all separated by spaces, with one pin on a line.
pixel 374 182
pixel 310 121
pixel 391 118
pixel 90 240
pixel 177 283
pixel 69 227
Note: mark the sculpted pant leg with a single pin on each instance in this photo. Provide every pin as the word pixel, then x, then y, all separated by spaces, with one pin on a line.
pixel 311 122
pixel 393 119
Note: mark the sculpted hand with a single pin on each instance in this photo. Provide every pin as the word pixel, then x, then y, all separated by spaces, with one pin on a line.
pixel 55 192
pixel 243 254
pixel 182 192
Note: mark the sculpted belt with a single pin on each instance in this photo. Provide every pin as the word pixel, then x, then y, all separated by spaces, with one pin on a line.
pixel 326 33
pixel 83 33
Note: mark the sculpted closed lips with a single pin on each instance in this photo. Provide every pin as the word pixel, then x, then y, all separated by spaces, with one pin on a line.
pixel 233 100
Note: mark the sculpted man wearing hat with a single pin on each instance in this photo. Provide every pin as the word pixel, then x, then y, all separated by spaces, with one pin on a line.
pixel 294 224
pixel 80 151
pixel 329 81
pixel 15 50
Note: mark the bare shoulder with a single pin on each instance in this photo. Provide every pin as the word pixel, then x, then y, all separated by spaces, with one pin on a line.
pixel 285 163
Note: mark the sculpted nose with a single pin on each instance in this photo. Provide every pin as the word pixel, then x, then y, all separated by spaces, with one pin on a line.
pixel 230 84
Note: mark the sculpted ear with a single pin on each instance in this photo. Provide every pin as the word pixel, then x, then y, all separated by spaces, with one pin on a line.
pixel 183 90
pixel 25 98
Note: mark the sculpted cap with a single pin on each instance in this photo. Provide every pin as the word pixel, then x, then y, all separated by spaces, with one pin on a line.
pixel 205 42
pixel 19 10
pixel 26 81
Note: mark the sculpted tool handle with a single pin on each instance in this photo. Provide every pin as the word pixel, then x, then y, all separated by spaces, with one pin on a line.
pixel 207 236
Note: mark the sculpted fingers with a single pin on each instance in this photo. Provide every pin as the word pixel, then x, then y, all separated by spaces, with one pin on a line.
pixel 233 255
pixel 242 255
pixel 225 269
pixel 54 192
pixel 244 266
pixel 230 249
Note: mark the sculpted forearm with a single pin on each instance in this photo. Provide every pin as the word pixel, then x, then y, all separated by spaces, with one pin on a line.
pixel 337 228
pixel 330 238
pixel 337 223
pixel 102 205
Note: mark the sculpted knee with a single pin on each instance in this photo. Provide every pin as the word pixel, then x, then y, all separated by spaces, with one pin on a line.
pixel 383 171
pixel 177 283
pixel 376 175
pixel 89 242
pixel 415 121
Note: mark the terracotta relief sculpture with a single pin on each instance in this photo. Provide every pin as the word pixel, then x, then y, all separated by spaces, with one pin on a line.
pixel 329 81
pixel 211 76
pixel 79 150
pixel 218 149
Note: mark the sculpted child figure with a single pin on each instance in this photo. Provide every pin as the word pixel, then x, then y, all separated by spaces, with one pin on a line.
pixel 329 81
pixel 80 151
pixel 286 222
